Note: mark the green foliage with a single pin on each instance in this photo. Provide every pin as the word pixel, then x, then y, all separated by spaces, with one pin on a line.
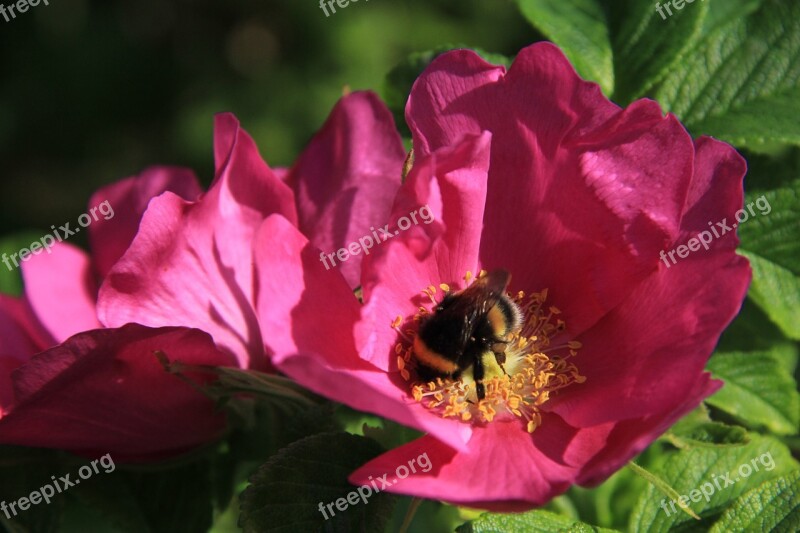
pixel 579 28
pixel 740 83
pixel 724 473
pixel 533 521
pixel 697 429
pixel 285 493
pixel 757 391
pixel 772 506
pixel 23 471
pixel 647 47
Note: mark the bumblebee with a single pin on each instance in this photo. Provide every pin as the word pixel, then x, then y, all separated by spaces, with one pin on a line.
pixel 469 331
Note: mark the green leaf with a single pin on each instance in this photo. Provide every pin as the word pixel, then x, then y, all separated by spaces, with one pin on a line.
pixel 286 492
pixel 752 330
pixel 709 481
pixel 532 521
pixel 777 291
pixel 609 504
pixel 697 429
pixel 773 506
pixel 647 46
pixel 741 83
pixel 758 390
pixel 579 28
pixel 724 12
pixel 662 486
pixel 769 238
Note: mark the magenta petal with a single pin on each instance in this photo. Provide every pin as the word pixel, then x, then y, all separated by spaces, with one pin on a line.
pixel 21 334
pixel 116 223
pixel 60 287
pixel 302 306
pixel 715 194
pixel 365 388
pixel 191 264
pixel 655 359
pixel 570 205
pixel 347 177
pixel 451 184
pixel 104 391
pixel 244 182
pixel 502 471
pixel 188 267
pixel 631 437
pixel 307 316
pixel 635 361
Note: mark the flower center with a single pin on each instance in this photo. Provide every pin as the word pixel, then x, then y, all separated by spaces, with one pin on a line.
pixel 518 378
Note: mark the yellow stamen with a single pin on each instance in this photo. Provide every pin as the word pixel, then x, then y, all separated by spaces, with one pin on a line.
pixel 534 369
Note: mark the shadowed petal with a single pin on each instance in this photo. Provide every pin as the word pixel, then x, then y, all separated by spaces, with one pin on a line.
pixel 348 176
pixel 104 391
pixel 115 224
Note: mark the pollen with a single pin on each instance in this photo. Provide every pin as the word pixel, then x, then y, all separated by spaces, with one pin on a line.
pixel 536 368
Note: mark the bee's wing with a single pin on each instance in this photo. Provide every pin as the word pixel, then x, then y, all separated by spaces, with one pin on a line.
pixel 476 300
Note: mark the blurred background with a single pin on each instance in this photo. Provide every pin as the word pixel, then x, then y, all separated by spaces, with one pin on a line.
pixel 94 91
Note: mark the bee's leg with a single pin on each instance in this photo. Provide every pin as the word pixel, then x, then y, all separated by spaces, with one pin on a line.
pixel 499 349
pixel 477 375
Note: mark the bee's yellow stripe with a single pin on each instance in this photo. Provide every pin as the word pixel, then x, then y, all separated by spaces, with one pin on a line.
pixel 433 360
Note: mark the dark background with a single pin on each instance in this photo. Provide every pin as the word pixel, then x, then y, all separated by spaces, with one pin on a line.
pixel 94 91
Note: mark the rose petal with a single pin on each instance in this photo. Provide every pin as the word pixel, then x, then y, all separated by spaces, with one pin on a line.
pixel 348 176
pixel 114 225
pixel 307 315
pixel 505 470
pixel 647 351
pixel 192 264
pixel 104 391
pixel 61 290
pixel 21 334
pixel 452 184
pixel 569 204
pixel 631 437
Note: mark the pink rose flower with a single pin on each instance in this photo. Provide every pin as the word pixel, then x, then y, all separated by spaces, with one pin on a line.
pixel 66 383
pixel 193 264
pixel 535 172
pixel 187 262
